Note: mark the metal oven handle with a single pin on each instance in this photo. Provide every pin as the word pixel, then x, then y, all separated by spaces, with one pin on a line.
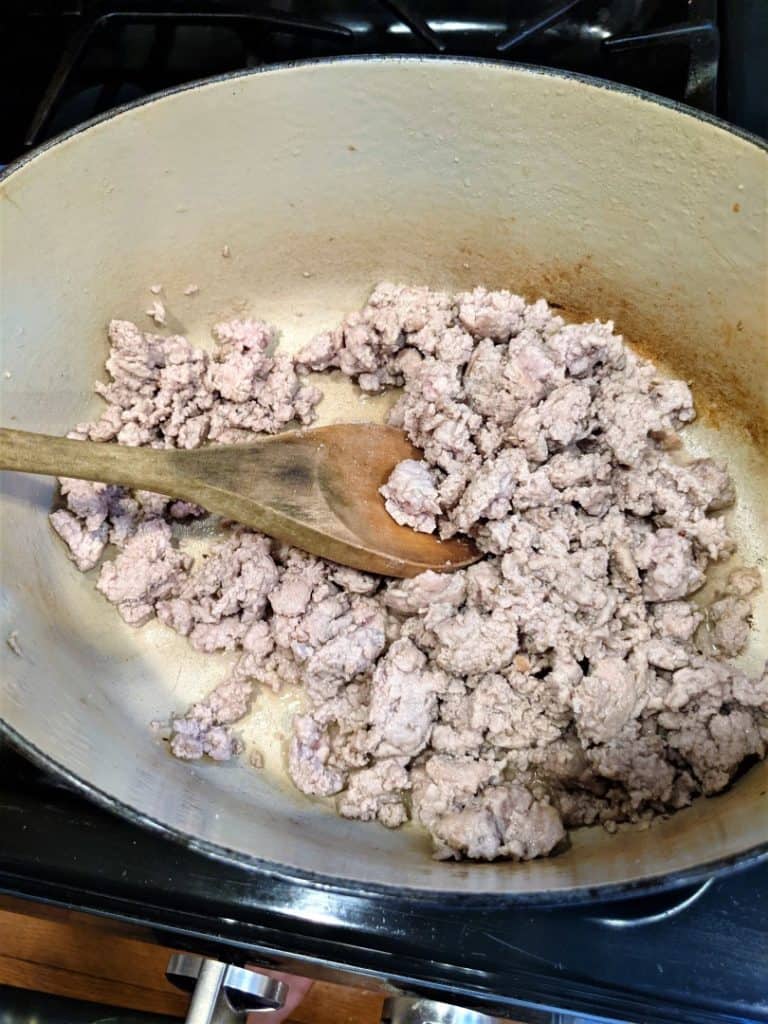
pixel 406 1010
pixel 223 993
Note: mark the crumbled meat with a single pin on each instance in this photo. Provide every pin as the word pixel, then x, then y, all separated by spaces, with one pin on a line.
pixel 731 615
pixel 471 642
pixel 85 546
pixel 308 759
pixel 560 681
pixel 403 701
pixel 443 784
pixel 411 497
pixel 376 793
pixel 147 570
pixel 670 569
pixel 743 582
pixel 12 640
pixel 204 729
pixel 488 494
pixel 609 697
pixel 165 391
pixel 354 581
pixel 419 594
pixel 638 760
pixel 157 312
pixel 496 315
pixel 355 640
pixel 518 711
pixel 676 620
pixel 215 604
pixel 503 821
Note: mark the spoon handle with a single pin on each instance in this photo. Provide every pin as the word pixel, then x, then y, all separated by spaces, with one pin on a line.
pixel 140 468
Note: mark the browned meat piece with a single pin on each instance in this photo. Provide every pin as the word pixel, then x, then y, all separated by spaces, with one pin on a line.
pixel 500 383
pixel 564 414
pixel 676 620
pixel 515 711
pixel 354 581
pixel 91 502
pixel 323 351
pixel 489 493
pixel 218 601
pixel 471 643
pixel 715 747
pixel 241 360
pixel 470 814
pixel 444 784
pixel 638 760
pixel 752 693
pixel 731 619
pixel 744 582
pixel 590 348
pixel 704 725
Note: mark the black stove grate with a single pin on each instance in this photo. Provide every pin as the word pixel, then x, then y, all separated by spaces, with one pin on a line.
pixel 69 62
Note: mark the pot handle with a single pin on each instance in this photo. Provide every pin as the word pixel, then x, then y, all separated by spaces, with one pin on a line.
pixel 223 993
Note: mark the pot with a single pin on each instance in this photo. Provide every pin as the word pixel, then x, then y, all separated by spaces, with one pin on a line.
pixel 323 179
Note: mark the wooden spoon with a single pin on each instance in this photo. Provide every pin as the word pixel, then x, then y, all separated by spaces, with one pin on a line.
pixel 316 489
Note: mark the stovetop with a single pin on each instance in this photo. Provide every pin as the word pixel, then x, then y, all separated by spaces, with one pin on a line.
pixel 698 955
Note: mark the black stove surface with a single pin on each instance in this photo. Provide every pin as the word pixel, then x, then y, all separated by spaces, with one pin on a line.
pixel 696 955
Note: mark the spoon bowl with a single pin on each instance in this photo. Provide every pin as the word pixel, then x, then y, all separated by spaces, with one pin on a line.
pixel 317 489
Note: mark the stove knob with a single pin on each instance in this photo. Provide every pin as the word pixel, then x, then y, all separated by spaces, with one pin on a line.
pixel 223 993
pixel 405 1010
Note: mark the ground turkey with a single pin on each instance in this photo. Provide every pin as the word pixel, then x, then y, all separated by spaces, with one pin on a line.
pixel 564 680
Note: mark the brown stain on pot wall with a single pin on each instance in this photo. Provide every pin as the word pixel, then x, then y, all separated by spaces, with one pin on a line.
pixel 720 358
pixel 715 366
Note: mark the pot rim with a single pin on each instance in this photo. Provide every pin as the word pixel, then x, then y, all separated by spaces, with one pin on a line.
pixel 534 70
pixel 574 896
